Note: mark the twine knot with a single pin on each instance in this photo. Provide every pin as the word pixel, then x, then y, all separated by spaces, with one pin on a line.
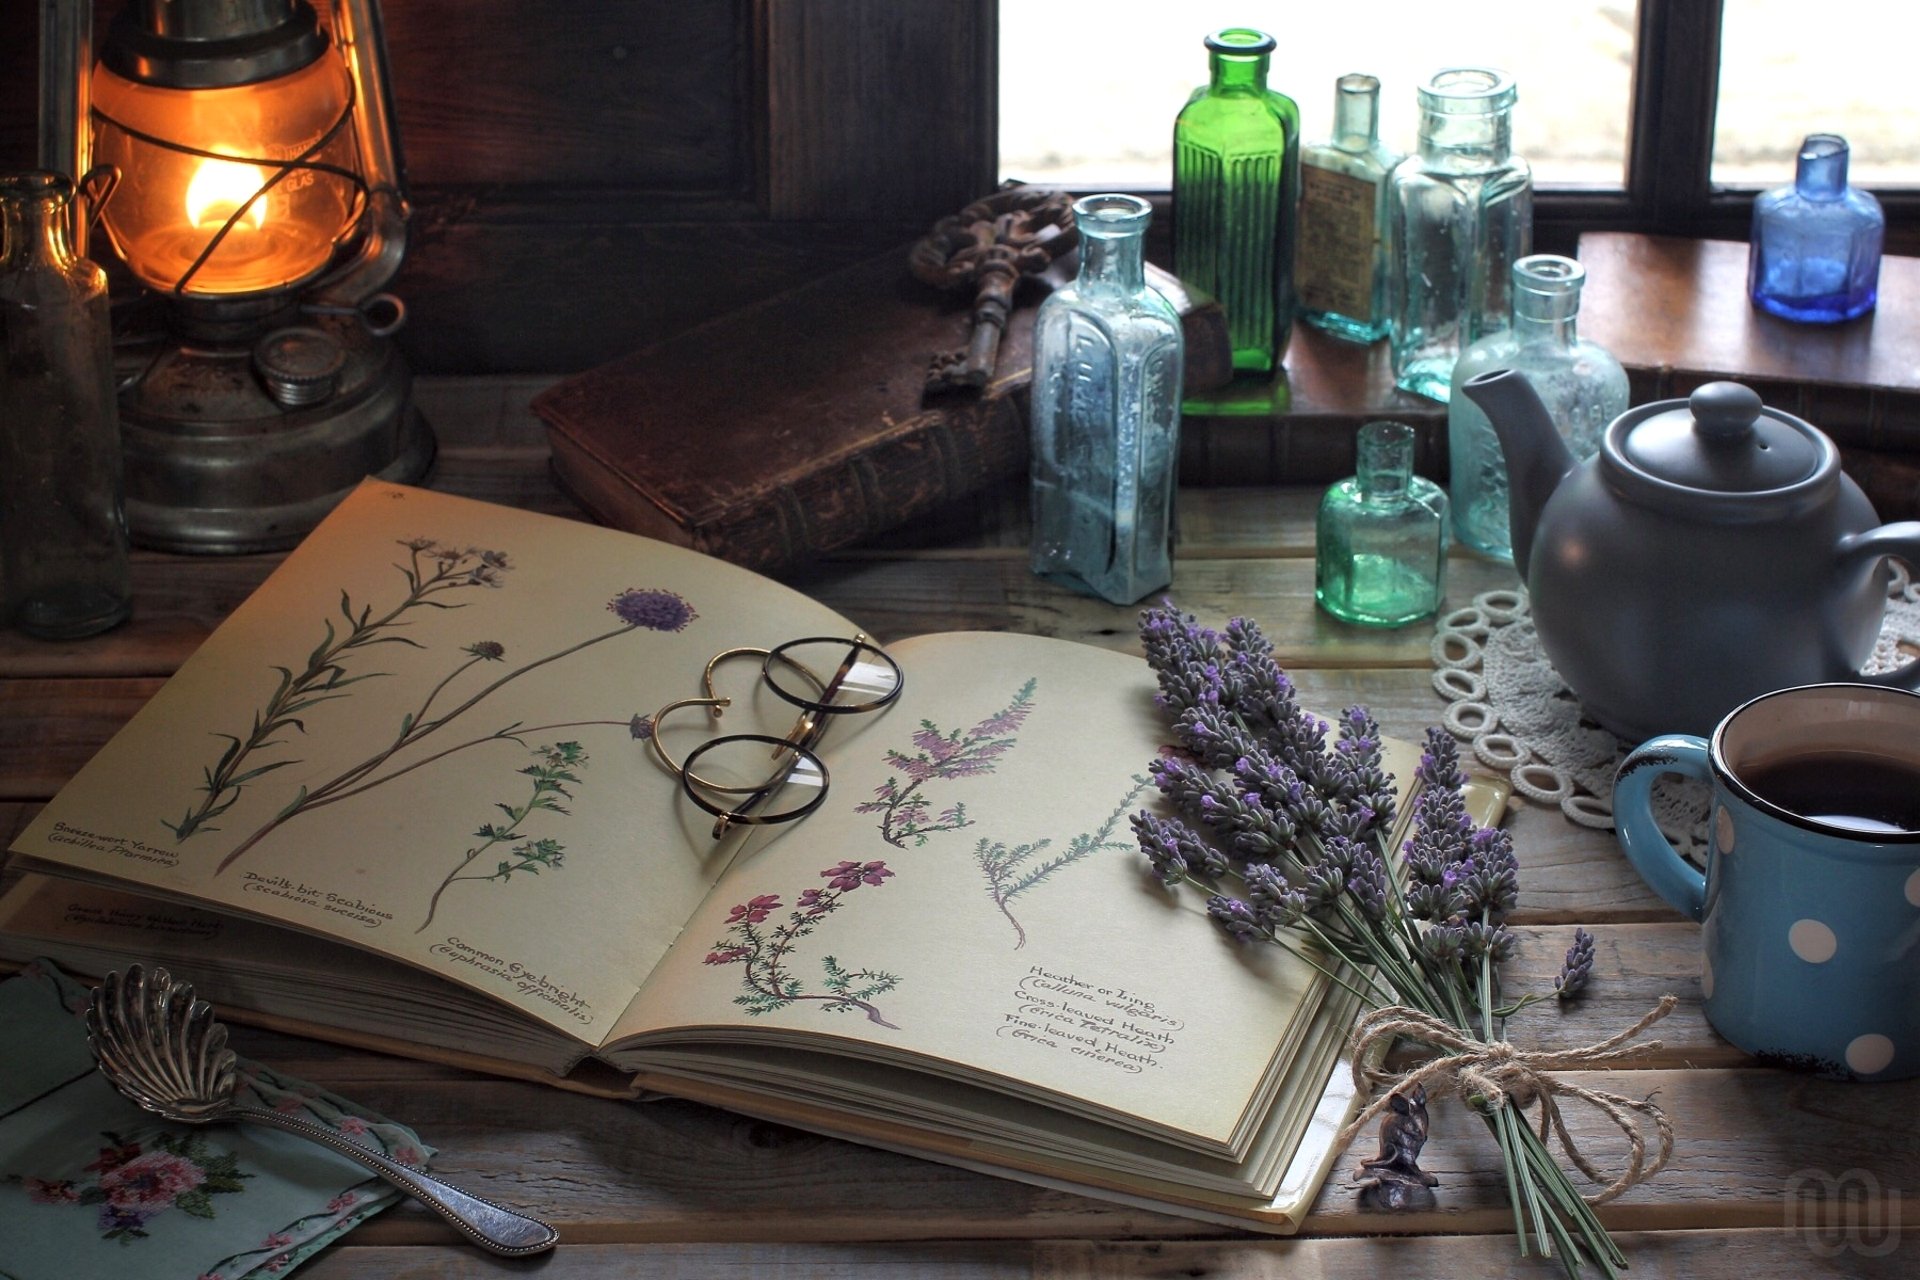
pixel 1492 1074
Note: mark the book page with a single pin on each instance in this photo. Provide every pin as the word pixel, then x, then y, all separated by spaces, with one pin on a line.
pixel 420 737
pixel 970 897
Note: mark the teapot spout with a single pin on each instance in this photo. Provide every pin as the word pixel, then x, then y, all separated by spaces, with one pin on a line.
pixel 1537 458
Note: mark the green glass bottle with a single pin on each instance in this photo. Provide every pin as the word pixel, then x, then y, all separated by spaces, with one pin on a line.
pixel 1380 543
pixel 1236 189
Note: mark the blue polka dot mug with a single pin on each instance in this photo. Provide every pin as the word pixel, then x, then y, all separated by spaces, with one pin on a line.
pixel 1810 904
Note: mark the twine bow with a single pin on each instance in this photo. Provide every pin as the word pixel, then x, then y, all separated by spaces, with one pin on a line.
pixel 1493 1074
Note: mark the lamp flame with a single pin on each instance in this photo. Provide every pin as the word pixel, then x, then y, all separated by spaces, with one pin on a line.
pixel 221 186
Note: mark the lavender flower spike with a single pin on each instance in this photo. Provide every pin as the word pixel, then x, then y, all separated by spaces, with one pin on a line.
pixel 1578 967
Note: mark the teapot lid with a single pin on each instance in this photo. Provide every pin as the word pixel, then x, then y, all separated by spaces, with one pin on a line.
pixel 1723 440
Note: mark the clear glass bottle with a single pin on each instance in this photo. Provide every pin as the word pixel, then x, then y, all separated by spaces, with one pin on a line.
pixel 1815 248
pixel 1106 414
pixel 1340 270
pixel 63 530
pixel 1459 214
pixel 1236 188
pixel 1582 386
pixel 1380 544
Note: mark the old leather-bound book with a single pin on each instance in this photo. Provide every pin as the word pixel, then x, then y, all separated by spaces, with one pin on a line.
pixel 798 425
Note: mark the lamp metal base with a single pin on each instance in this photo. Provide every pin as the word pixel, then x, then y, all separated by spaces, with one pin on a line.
pixel 215 464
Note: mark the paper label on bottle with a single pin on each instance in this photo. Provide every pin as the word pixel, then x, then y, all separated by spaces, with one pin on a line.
pixel 1338 233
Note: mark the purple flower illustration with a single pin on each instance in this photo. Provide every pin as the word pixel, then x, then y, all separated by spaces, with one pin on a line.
pixel 654 608
pixel 488 650
pixel 905 813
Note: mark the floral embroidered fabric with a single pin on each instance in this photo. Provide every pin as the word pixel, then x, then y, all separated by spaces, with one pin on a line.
pixel 1506 699
pixel 93 1188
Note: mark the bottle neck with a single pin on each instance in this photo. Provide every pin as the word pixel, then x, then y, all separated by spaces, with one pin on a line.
pixel 1384 467
pixel 1478 141
pixel 1356 113
pixel 1546 299
pixel 1118 261
pixel 1237 73
pixel 35 230
pixel 1822 170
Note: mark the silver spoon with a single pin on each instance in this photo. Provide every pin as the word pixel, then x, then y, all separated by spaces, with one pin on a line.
pixel 168 1054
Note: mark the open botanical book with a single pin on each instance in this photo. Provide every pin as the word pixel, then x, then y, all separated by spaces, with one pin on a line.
pixel 403 798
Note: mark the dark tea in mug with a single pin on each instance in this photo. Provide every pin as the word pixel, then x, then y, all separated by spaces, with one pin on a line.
pixel 1858 791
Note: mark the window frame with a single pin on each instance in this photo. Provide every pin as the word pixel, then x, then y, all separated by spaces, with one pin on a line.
pixel 1669 181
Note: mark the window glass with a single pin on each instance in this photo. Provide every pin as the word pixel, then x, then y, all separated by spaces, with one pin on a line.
pixel 1088 95
pixel 1787 70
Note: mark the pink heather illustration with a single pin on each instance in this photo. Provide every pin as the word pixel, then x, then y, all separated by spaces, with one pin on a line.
pixel 764 953
pixel 906 813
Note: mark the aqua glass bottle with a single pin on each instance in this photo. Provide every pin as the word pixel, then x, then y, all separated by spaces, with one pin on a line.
pixel 1460 214
pixel 1236 185
pixel 1107 359
pixel 1340 267
pixel 1380 544
pixel 1814 254
pixel 1582 386
pixel 63 528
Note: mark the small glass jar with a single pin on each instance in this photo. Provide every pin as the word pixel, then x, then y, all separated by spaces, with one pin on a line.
pixel 1814 254
pixel 1107 358
pixel 1460 214
pixel 1380 543
pixel 1340 270
pixel 1236 191
pixel 1581 384
pixel 63 528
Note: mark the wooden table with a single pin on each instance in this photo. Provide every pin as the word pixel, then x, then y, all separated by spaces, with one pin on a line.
pixel 670 1189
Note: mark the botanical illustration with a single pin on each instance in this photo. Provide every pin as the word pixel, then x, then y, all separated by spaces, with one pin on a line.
pixel 431 572
pixel 134 1182
pixel 764 954
pixel 1013 871
pixel 906 813
pixel 553 768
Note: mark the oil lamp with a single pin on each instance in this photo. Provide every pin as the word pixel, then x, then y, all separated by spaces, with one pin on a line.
pixel 259 198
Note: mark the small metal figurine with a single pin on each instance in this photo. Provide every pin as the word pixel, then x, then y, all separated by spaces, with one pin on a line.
pixel 1393 1180
pixel 988 246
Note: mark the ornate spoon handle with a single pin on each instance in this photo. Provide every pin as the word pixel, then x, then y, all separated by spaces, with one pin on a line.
pixel 481 1221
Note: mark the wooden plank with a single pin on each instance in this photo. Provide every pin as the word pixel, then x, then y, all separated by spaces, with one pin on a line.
pixel 894 598
pixel 1751 1145
pixel 1759 1254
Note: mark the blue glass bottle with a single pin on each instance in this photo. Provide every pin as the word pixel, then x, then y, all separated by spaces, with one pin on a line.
pixel 1815 250
pixel 1380 543
pixel 1459 215
pixel 1236 188
pixel 1106 414
pixel 1581 384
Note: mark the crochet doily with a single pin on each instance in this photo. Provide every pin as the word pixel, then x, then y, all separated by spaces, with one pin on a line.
pixel 1506 700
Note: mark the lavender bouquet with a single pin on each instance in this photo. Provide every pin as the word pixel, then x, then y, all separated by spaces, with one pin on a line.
pixel 1289 835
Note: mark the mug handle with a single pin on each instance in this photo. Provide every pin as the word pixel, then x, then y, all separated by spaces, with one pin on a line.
pixel 1653 856
pixel 1901 541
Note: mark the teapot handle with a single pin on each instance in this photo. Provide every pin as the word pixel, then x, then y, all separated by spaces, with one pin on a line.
pixel 1901 540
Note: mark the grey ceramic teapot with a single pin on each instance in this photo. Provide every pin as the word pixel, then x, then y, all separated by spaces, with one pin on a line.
pixel 1711 552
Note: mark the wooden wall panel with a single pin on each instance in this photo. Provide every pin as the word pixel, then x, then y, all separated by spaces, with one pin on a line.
pixel 878 108
pixel 593 175
pixel 565 96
